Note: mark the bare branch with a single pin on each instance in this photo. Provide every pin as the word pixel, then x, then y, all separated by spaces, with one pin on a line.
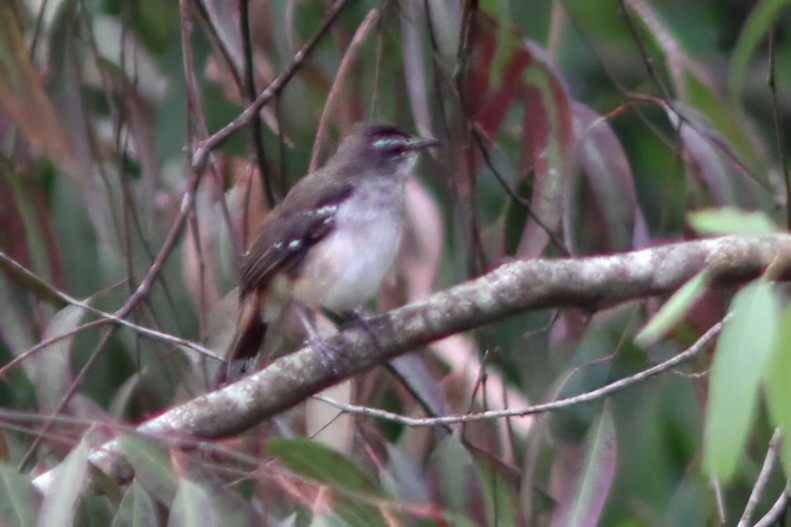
pixel 586 397
pixel 590 283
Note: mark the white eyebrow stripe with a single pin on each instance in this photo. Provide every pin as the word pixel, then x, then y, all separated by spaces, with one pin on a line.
pixel 388 141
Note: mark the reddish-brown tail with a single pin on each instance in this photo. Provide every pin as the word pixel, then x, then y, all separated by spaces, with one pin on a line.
pixel 242 356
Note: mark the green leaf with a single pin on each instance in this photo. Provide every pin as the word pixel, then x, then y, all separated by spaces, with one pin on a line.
pixel 778 387
pixel 60 501
pixel 497 496
pixel 456 472
pixel 606 167
pixel 597 475
pixel 760 21
pixel 18 498
pixel 152 466
pixel 25 101
pixel 136 509
pixel 52 366
pixel 319 462
pixel 742 353
pixel 729 220
pixel 94 511
pixel 193 507
pixel 674 309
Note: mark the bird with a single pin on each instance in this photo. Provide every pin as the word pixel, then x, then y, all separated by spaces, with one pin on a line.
pixel 330 242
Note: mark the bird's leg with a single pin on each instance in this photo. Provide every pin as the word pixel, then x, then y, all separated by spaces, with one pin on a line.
pixel 315 339
pixel 360 316
pixel 304 319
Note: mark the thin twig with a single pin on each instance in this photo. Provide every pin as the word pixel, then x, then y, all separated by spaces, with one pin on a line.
pixel 586 397
pixel 70 390
pixel 7 261
pixel 648 62
pixel 523 202
pixel 358 39
pixel 249 90
pixel 719 501
pixel 772 81
pixel 773 515
pixel 761 481
pixel 251 112
pixel 193 128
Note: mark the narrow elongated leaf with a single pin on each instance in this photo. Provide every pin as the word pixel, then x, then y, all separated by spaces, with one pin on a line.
pixel 136 509
pixel 152 466
pixel 546 136
pixel 51 367
pixel 319 462
pixel 509 69
pixel 596 478
pixel 457 476
pixel 193 507
pixel 18 498
pixel 674 309
pixel 606 167
pixel 497 495
pixel 22 95
pixel 778 387
pixel 60 501
pixel 729 220
pixel 743 349
pixel 756 28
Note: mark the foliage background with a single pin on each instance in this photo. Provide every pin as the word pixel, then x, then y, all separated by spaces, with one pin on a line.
pixel 604 123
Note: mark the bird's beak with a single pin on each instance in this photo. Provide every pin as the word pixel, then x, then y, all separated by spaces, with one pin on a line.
pixel 422 143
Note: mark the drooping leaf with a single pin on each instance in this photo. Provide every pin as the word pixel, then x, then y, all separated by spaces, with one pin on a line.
pixel 60 500
pixel 136 509
pixel 595 479
pixel 498 496
pixel 729 220
pixel 673 311
pixel 778 387
pixel 193 507
pixel 22 95
pixel 322 464
pixel 703 160
pixel 546 138
pixel 509 71
pixel 51 368
pixel 754 30
pixel 152 465
pixel 19 500
pixel 606 167
pixel 94 511
pixel 457 475
pixel 742 352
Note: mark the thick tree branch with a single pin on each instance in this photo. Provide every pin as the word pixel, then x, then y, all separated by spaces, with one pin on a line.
pixel 588 283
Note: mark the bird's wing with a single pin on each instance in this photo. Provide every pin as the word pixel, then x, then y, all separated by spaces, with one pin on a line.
pixel 289 232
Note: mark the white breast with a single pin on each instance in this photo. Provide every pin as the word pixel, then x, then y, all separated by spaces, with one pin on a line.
pixel 346 269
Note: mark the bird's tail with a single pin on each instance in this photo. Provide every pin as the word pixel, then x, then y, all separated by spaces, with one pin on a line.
pixel 242 355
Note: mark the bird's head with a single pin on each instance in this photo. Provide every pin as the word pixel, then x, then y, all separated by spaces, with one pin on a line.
pixel 377 146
